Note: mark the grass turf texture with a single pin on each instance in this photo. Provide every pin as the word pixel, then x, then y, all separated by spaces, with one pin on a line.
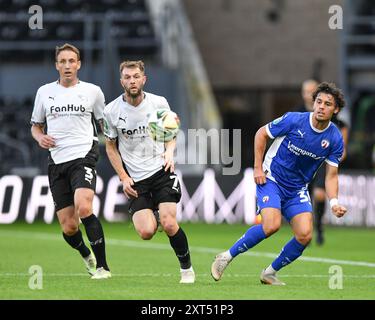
pixel 149 269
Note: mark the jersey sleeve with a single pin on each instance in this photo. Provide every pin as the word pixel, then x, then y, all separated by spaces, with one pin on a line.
pixel 99 104
pixel 281 126
pixel 163 104
pixel 334 158
pixel 110 130
pixel 39 115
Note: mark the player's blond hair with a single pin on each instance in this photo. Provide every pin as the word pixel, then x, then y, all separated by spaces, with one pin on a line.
pixel 132 64
pixel 69 47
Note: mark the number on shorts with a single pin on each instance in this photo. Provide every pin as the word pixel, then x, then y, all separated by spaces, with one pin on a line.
pixel 304 195
pixel 175 183
pixel 88 175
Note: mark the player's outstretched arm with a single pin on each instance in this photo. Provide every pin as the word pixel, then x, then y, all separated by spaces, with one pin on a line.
pixel 169 154
pixel 260 143
pixel 44 140
pixel 332 189
pixel 116 162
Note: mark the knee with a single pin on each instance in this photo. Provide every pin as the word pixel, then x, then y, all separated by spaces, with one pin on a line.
pixel 270 229
pixel 84 210
pixel 169 225
pixel 146 234
pixel 69 227
pixel 168 220
pixel 170 228
pixel 304 237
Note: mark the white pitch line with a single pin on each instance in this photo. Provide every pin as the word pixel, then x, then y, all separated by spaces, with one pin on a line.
pixel 204 275
pixel 161 246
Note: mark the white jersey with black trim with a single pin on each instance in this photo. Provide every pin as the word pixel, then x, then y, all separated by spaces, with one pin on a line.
pixel 69 114
pixel 141 155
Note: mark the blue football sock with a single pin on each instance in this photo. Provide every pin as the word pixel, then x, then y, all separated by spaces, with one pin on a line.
pixel 252 237
pixel 291 251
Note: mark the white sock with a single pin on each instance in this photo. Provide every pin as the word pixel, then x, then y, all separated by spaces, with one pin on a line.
pixel 270 270
pixel 227 255
pixel 190 269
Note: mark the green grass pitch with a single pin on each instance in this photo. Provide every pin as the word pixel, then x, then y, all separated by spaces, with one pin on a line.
pixel 145 270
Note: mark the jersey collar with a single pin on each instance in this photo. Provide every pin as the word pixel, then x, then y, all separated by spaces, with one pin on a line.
pixel 58 83
pixel 315 129
pixel 138 106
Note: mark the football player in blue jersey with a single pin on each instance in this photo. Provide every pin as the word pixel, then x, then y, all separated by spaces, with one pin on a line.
pixel 303 141
pixel 317 185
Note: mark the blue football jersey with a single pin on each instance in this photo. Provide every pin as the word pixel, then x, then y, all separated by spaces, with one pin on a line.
pixel 299 149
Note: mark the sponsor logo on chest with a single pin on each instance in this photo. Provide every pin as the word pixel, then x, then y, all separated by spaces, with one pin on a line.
pixel 141 130
pixel 67 108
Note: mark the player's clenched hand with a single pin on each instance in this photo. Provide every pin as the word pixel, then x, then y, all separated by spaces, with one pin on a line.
pixel 168 160
pixel 46 141
pixel 259 176
pixel 338 210
pixel 127 184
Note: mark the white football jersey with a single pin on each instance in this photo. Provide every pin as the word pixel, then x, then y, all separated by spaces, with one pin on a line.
pixel 69 114
pixel 141 155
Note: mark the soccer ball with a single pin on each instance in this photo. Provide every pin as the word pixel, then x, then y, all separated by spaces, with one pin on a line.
pixel 163 125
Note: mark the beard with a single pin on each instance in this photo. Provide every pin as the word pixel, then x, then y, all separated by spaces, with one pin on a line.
pixel 133 94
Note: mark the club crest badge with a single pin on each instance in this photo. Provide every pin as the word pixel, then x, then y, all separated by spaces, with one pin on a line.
pixel 325 144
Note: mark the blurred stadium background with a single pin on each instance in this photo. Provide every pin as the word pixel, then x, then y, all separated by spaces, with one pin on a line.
pixel 221 64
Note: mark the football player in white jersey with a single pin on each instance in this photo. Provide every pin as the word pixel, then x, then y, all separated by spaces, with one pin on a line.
pixel 145 167
pixel 68 107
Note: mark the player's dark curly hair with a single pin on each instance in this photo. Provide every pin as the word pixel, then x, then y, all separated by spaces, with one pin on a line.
pixel 330 88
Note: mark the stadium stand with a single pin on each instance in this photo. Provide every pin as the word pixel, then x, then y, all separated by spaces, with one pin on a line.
pixel 103 29
pixel 127 22
pixel 107 32
pixel 357 77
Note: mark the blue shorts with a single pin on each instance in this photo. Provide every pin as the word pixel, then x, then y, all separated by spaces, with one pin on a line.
pixel 289 201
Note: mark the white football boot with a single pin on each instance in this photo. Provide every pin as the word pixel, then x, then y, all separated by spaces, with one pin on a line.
pixel 270 278
pixel 90 263
pixel 218 266
pixel 101 273
pixel 187 275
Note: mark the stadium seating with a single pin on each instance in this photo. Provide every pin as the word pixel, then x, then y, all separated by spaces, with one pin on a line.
pixel 358 81
pixel 126 22
pixel 15 135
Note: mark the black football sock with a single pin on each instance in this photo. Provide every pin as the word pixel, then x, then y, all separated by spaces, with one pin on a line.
pixel 319 212
pixel 76 242
pixel 95 235
pixel 180 246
